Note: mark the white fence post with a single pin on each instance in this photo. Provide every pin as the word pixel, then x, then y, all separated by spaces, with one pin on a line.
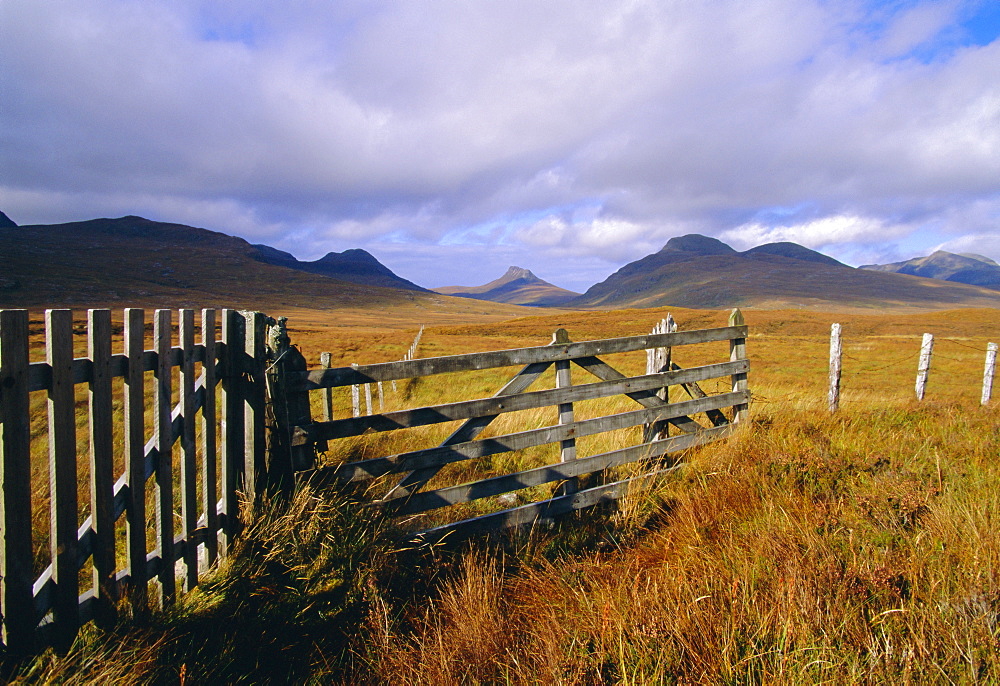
pixel 924 367
pixel 835 355
pixel 989 371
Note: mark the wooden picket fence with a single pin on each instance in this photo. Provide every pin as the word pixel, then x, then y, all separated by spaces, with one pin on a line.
pixel 142 457
pixel 202 404
pixel 415 468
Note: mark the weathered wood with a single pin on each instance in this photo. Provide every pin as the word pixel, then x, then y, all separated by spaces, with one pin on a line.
pixel 988 372
pixel 355 397
pixel 189 457
pixel 500 404
pixel 602 370
pixel 485 488
pixel 163 440
pixel 231 402
pixel 99 402
pixel 255 471
pixel 528 514
pixel 368 399
pixel 833 397
pixel 659 360
pixel 62 474
pixel 695 391
pixel 135 456
pixel 415 480
pixel 16 601
pixel 386 371
pixel 381 398
pixel 924 365
pixel 324 361
pixel 738 351
pixel 564 379
pixel 40 374
pixel 435 458
pixel 209 485
pixel 289 410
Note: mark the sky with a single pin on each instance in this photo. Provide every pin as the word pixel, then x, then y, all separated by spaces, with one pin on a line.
pixel 453 138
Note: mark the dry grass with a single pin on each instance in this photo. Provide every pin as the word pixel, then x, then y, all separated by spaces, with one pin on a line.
pixel 855 548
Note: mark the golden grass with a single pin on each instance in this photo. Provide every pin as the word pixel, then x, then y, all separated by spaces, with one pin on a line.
pixel 853 548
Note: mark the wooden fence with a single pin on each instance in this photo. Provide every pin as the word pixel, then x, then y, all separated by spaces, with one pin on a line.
pixel 141 457
pixel 202 406
pixel 415 468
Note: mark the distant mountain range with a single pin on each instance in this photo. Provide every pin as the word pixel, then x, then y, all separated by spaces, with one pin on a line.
pixel 517 287
pixel 138 261
pixel 968 268
pixel 701 272
pixel 134 260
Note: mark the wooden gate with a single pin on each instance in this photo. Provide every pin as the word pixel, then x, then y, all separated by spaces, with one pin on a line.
pixel 413 469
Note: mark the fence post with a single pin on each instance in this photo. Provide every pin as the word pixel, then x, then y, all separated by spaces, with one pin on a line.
pixel 567 448
pixel 657 361
pixel 738 351
pixel 924 366
pixel 835 355
pixel 324 361
pixel 289 410
pixel 16 578
pixel 355 396
pixel 989 371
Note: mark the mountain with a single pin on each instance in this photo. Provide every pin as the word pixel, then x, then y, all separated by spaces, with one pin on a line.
pixel 132 260
pixel 968 268
pixel 355 265
pixel 701 272
pixel 6 222
pixel 517 287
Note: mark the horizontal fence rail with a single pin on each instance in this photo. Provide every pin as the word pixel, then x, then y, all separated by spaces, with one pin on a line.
pixel 387 371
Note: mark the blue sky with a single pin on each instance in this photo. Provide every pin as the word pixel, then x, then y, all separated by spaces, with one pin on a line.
pixel 454 139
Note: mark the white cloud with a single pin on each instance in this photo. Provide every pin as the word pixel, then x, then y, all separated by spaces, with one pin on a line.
pixel 318 126
pixel 817 233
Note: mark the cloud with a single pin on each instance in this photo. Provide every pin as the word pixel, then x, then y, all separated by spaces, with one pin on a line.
pixel 580 130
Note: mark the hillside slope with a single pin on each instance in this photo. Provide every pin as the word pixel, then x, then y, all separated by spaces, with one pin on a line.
pixel 136 261
pixel 517 286
pixel 967 268
pixel 701 272
pixel 354 265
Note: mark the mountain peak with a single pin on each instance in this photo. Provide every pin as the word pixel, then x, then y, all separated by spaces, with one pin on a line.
pixel 698 244
pixel 6 222
pixel 514 273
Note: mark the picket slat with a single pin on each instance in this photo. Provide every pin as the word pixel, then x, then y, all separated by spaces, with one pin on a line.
pixel 101 464
pixel 189 466
pixel 231 401
pixel 135 456
pixel 16 601
pixel 62 473
pixel 209 487
pixel 163 441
